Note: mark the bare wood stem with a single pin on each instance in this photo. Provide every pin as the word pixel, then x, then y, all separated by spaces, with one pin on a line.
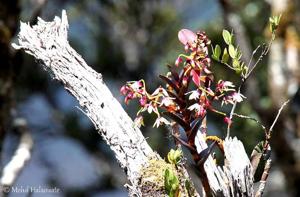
pixel 277 116
pixel 18 161
pixel 251 118
pixel 264 177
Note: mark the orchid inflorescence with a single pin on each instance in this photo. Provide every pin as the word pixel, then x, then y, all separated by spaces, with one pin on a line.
pixel 187 101
pixel 191 91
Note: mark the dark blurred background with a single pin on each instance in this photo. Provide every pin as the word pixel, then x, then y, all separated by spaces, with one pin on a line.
pixel 129 40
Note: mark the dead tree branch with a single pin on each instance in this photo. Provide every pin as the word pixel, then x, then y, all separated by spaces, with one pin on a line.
pixel 22 154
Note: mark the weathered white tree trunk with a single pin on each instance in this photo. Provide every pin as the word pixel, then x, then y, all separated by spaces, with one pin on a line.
pixel 48 43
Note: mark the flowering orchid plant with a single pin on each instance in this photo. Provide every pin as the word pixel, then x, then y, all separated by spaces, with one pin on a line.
pixel 187 97
pixel 189 92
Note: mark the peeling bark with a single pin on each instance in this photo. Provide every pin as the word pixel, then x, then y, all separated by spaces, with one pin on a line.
pixel 235 177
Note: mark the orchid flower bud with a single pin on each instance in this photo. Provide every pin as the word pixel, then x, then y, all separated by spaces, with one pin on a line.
pixel 124 89
pixel 227 120
pixel 186 36
pixel 178 61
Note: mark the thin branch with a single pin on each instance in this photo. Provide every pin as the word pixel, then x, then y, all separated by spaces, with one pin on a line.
pixel 266 148
pixel 277 116
pixel 226 64
pixel 252 56
pixel 233 109
pixel 264 52
pixel 263 179
pixel 22 154
pixel 251 118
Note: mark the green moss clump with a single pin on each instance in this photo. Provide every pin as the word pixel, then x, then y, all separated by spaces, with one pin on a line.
pixel 152 179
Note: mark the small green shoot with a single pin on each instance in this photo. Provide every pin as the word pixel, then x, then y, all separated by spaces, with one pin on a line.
pixel 171 183
pixel 174 156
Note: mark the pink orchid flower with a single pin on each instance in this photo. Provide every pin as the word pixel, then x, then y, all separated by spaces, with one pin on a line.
pixel 186 36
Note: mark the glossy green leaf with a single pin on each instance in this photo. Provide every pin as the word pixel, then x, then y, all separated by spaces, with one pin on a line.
pixel 227 37
pixel 232 51
pixel 217 52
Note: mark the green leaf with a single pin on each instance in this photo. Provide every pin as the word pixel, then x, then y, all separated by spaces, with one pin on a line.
pixel 215 58
pixel 167 181
pixel 238 54
pixel 238 71
pixel 214 54
pixel 171 183
pixel 217 52
pixel 236 63
pixel 225 56
pixel 232 51
pixel 174 156
pixel 170 155
pixel 244 68
pixel 227 37
pixel 274 22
